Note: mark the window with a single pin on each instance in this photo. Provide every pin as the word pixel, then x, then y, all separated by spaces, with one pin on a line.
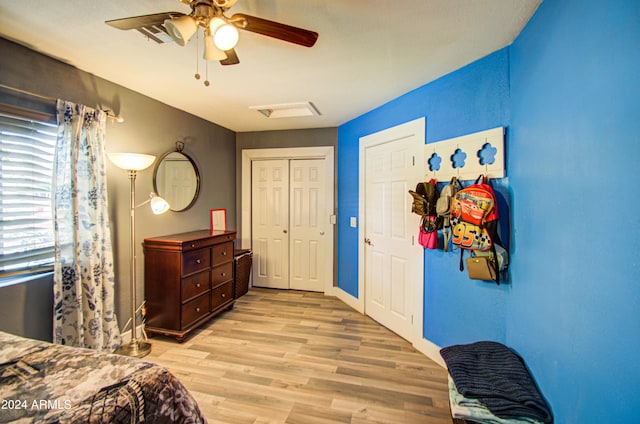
pixel 26 167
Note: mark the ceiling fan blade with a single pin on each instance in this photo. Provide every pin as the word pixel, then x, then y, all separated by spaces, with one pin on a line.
pixel 232 58
pixel 143 21
pixel 277 30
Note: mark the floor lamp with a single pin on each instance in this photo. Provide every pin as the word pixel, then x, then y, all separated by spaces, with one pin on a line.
pixel 134 162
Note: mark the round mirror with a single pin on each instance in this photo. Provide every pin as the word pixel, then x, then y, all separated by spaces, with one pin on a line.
pixel 177 180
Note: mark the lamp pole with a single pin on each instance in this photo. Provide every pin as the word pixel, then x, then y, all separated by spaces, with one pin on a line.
pixel 134 162
pixel 135 347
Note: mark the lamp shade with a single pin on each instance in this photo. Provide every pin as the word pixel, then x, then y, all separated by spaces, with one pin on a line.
pixel 158 204
pixel 181 29
pixel 211 52
pixel 214 24
pixel 132 161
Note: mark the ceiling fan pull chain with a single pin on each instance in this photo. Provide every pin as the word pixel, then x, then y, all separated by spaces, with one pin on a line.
pixel 197 75
pixel 206 66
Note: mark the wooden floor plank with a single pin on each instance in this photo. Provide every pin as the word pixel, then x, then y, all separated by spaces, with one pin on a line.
pixel 304 358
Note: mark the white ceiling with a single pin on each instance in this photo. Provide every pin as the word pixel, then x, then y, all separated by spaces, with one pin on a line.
pixel 368 52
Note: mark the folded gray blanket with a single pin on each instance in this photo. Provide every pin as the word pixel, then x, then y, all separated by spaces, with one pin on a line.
pixel 497 377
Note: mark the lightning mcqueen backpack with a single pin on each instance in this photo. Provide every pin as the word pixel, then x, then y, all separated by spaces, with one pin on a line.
pixel 474 220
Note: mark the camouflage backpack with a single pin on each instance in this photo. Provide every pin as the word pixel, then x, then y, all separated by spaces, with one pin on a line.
pixel 425 197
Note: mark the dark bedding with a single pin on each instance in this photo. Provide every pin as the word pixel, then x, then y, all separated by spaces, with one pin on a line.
pixel 47 383
pixel 498 378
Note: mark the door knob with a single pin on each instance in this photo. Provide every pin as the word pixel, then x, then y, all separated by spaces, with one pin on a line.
pixel 321 233
pixel 368 241
pixel 284 231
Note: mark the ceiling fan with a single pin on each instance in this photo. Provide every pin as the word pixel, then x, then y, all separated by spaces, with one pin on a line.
pixel 221 32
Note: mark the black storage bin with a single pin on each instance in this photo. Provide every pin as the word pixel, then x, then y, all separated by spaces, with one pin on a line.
pixel 242 268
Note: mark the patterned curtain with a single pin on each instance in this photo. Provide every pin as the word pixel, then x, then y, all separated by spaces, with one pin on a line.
pixel 84 313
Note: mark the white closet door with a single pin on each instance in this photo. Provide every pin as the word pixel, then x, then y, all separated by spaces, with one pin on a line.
pixel 392 257
pixel 308 223
pixel 270 223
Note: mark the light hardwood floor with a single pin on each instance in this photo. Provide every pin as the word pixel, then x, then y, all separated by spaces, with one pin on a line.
pixel 303 358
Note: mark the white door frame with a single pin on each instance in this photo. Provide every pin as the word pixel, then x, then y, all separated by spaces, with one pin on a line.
pixel 409 129
pixel 323 152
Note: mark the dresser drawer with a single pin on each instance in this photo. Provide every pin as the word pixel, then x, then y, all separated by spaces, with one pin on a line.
pixel 196 261
pixel 194 285
pixel 196 244
pixel 222 252
pixel 221 273
pixel 221 294
pixel 195 309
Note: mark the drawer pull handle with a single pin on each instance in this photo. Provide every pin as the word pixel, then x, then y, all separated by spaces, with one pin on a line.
pixel 197 309
pixel 198 285
pixel 198 261
pixel 224 253
pixel 224 295
pixel 193 245
pixel 222 274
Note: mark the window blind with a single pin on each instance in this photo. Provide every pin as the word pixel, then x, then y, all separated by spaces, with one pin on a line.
pixel 26 172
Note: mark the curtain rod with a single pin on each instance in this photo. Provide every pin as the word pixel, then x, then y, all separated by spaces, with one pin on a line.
pixel 53 99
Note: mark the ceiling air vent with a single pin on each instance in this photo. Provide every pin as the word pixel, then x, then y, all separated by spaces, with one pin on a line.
pixel 288 110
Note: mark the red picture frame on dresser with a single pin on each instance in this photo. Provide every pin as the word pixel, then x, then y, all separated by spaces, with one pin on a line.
pixel 218 218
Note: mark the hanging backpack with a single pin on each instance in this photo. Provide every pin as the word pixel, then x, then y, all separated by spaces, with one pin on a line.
pixel 424 204
pixel 474 225
pixel 443 208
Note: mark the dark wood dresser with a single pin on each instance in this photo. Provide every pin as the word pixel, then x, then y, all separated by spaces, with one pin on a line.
pixel 188 278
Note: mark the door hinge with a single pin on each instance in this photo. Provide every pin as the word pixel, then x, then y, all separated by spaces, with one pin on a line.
pixel 413 240
pixel 414 161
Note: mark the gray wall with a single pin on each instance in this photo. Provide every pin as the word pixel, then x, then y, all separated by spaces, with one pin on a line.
pixel 150 127
pixel 283 139
pixel 27 308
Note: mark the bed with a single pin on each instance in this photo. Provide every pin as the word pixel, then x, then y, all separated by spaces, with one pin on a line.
pixel 47 383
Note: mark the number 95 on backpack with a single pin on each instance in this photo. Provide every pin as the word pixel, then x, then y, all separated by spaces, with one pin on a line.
pixel 470 236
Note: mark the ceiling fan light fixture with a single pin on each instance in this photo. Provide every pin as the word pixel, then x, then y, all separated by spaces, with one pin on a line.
pixel 215 23
pixel 181 29
pixel 226 37
pixel 211 52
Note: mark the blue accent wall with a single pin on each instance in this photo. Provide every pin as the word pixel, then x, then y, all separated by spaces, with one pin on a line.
pixel 568 92
pixel 574 312
pixel 472 99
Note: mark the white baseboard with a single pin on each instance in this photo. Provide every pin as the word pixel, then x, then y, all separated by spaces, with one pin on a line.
pixel 431 351
pixel 353 302
pixel 426 347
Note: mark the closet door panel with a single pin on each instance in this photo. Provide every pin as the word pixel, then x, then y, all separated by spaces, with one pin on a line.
pixel 309 224
pixel 270 223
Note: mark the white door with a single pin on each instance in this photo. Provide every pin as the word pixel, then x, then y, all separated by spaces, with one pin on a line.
pixel 308 223
pixel 270 223
pixel 290 224
pixel 393 259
